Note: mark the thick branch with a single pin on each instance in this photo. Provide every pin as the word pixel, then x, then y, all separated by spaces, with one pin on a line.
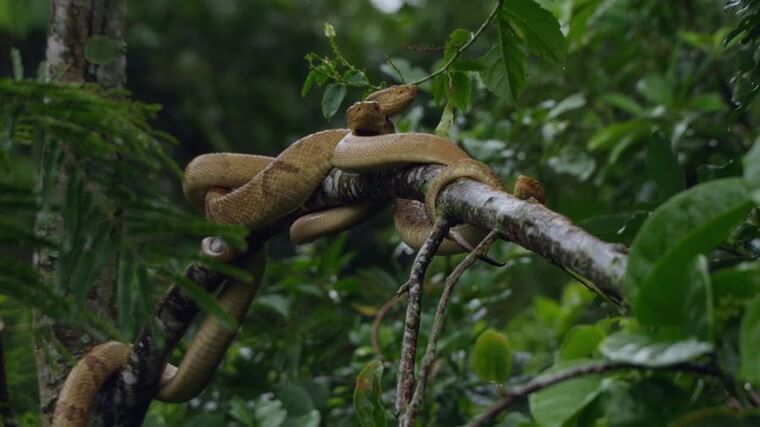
pixel 531 225
pixel 542 382
pixel 130 395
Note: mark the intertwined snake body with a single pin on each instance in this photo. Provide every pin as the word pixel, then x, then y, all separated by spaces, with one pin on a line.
pixel 255 191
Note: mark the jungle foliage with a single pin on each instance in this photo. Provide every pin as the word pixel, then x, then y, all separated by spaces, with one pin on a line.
pixel 638 116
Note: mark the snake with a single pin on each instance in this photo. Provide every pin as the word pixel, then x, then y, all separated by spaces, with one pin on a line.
pixel 255 191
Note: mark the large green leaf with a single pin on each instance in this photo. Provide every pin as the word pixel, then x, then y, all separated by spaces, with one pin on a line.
pixel 698 319
pixel 536 26
pixel 690 223
pixel 491 357
pixel 367 395
pixel 581 342
pixel 557 404
pixel 644 350
pixel 663 167
pixel 502 78
pixel 749 343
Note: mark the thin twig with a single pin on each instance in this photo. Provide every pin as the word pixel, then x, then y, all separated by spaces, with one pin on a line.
pixel 405 378
pixel 435 331
pixel 374 336
pixel 464 47
pixel 542 382
pixel 396 69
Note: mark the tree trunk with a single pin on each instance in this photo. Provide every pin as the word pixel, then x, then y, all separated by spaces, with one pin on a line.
pixel 71 24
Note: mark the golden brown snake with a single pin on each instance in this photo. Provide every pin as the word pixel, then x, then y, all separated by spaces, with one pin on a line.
pixel 255 191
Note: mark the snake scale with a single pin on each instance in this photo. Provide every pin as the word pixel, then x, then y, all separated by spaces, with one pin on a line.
pixel 255 191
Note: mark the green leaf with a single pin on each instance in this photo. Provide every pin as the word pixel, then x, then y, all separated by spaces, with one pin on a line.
pixel 752 171
pixel 572 102
pixel 581 342
pixel 555 405
pixel 101 50
pixel 536 26
pixel 623 102
pixel 492 357
pixel 367 395
pixel 688 224
pixel 269 413
pixel 355 78
pixel 17 64
pixel 740 282
pixel 623 133
pixel 656 89
pixel 332 98
pixel 275 302
pixel 699 305
pixel 749 343
pixel 663 167
pixel 309 82
pixel 295 399
pixel 456 39
pixel 644 350
pixel 505 75
pixel 460 90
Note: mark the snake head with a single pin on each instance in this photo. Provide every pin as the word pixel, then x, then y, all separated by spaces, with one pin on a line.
pixel 366 118
pixel 394 99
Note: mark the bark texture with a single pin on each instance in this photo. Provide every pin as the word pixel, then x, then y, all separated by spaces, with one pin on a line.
pixel 529 224
pixel 71 24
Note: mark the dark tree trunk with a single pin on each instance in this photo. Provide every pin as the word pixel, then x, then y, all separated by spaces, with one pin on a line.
pixel 72 23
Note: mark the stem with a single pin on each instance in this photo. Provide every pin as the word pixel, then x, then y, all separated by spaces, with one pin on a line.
pixel 431 351
pixel 405 379
pixel 542 382
pixel 462 48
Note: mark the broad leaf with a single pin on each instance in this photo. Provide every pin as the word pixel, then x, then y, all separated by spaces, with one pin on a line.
pixel 688 224
pixel 646 351
pixel 663 167
pixel 332 98
pixel 505 79
pixel 581 342
pixel 537 27
pixel 367 395
pixel 740 282
pixel 557 404
pixel 491 357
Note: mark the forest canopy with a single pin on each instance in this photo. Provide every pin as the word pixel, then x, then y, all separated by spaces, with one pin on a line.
pixel 628 296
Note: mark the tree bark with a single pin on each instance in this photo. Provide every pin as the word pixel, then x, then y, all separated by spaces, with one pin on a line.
pixel 71 24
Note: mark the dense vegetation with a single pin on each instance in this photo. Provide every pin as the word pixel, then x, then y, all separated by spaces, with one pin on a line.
pixel 638 116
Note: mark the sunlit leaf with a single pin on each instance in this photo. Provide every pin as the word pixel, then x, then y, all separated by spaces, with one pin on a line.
pixel 644 350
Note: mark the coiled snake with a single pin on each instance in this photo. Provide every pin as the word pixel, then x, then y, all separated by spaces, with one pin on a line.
pixel 255 191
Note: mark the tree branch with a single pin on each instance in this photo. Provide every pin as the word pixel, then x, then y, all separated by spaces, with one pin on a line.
pixel 529 224
pixel 437 328
pixel 405 380
pixel 544 381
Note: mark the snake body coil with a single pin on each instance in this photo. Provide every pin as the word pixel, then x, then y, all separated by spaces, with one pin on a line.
pixel 255 191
